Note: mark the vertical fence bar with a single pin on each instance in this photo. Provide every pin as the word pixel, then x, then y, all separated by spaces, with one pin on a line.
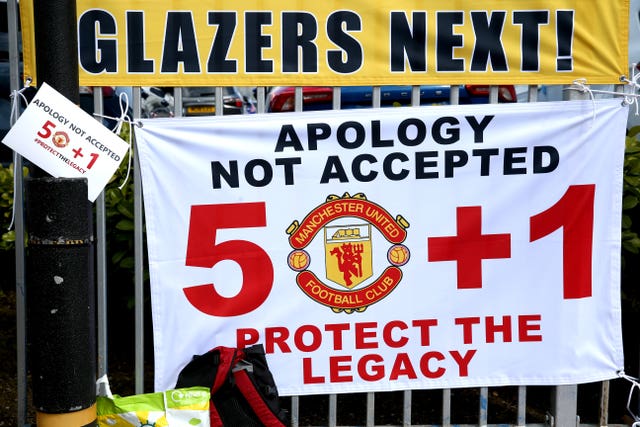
pixel 139 261
pixel 604 403
pixel 337 98
pixel 297 99
pixel 406 408
pixel 21 304
pixel 101 261
pixel 177 101
pixel 522 406
pixel 376 98
pixel 295 411
pixel 533 93
pixel 454 95
pixel 565 405
pixel 333 410
pixel 371 409
pixel 415 96
pixel 261 97
pixel 484 406
pixel 219 101
pixel 101 285
pixel 446 407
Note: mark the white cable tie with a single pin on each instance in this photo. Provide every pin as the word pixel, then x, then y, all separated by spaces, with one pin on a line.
pixel 16 96
pixel 634 385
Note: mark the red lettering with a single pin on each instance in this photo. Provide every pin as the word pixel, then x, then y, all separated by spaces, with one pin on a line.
pixel 307 376
pixel 424 325
pixel 337 329
pixel 424 364
pixel 387 334
pixel 467 323
pixel 526 326
pixel 362 335
pixel 373 371
pixel 402 366
pixel 278 335
pixel 339 365
pixel 316 338
pixel 463 361
pixel 492 328
pixel 246 337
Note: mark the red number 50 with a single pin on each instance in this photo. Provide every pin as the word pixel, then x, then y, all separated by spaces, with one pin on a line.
pixel 203 251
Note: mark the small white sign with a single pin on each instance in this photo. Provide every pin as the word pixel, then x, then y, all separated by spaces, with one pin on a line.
pixel 62 139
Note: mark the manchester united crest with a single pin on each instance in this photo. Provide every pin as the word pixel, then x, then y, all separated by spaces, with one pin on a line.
pixel 345 279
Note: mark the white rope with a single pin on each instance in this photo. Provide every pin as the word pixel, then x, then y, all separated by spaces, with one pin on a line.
pixel 16 97
pixel 629 98
pixel 634 385
pixel 123 102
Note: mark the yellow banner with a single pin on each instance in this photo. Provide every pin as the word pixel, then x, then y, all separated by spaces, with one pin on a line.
pixel 346 42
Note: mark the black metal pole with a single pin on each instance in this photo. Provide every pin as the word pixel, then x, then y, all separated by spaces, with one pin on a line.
pixel 60 253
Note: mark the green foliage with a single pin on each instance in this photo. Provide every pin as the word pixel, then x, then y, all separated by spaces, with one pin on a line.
pixel 631 191
pixel 6 206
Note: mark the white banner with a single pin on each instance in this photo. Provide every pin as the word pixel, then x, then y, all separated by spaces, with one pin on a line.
pixel 388 249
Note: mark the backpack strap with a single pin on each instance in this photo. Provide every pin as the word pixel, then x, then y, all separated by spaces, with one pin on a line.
pixel 254 398
pixel 227 360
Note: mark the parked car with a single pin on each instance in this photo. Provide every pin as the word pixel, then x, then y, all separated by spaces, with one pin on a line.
pixel 201 101
pixel 157 102
pixel 281 98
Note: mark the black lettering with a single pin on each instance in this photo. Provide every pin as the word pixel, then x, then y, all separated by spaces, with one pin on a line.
pixel 250 173
pixel 376 142
pixel 454 159
pixel 539 154
pixel 97 55
pixel 350 56
pixel 478 128
pixel 488 48
pixel 356 168
pixel 437 133
pixel 180 44
pixel 343 133
pixel 288 164
pixel 333 169
pixel 288 138
pixel 422 163
pixel 420 132
pixel 255 41
pixel 564 33
pixel 230 176
pixel 409 40
pixel 387 166
pixel 447 41
pixel 136 61
pixel 218 62
pixel 299 30
pixel 511 158
pixel 316 132
pixel 485 159
pixel 530 38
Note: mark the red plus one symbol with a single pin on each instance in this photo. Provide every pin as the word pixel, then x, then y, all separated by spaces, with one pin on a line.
pixel 469 247
pixel 77 152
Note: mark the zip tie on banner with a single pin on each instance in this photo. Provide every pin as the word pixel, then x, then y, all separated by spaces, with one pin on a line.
pixel 16 96
pixel 580 85
pixel 634 385
pixel 123 102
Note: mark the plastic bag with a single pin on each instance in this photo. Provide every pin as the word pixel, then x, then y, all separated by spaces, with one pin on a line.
pixel 183 407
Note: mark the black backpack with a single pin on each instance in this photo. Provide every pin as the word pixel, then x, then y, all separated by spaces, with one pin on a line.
pixel 243 392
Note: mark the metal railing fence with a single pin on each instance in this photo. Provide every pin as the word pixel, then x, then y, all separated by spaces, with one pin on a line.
pixel 507 406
